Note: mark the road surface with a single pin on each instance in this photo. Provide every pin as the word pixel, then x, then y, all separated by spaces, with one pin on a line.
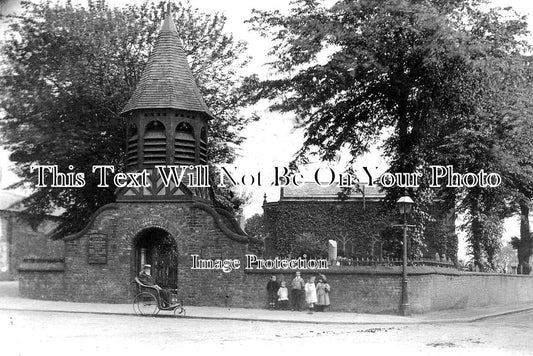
pixel 53 333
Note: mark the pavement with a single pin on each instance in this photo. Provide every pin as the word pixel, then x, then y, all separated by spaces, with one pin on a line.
pixel 10 300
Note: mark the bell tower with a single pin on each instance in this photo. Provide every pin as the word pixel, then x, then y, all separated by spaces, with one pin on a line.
pixel 167 121
pixel 156 222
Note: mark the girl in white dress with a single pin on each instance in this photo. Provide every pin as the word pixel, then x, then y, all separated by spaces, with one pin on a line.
pixel 310 293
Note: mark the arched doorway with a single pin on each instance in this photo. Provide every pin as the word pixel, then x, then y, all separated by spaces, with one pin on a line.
pixel 156 247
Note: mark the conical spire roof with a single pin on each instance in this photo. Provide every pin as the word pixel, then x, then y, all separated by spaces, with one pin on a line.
pixel 167 81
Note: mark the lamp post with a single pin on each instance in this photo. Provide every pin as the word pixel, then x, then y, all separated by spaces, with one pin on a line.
pixel 405 204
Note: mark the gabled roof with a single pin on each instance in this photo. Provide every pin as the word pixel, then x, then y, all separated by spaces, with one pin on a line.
pixel 167 81
pixel 12 202
pixel 9 199
pixel 311 191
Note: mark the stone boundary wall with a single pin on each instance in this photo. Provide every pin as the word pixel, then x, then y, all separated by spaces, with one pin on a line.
pixel 354 289
pixel 378 290
pixel 438 291
pixel 19 240
pixel 42 279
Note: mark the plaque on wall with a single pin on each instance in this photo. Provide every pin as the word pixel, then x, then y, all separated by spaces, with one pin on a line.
pixel 97 249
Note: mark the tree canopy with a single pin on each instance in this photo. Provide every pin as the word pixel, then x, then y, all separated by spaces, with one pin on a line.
pixel 442 82
pixel 255 226
pixel 67 72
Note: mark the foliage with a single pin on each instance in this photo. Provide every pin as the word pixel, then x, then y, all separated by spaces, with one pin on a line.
pixel 517 158
pixel 359 232
pixel 447 79
pixel 68 71
pixel 325 220
pixel 503 258
pixel 485 248
pixel 518 244
pixel 307 245
pixel 441 240
pixel 496 139
pixel 255 226
pixel 525 245
pixel 228 197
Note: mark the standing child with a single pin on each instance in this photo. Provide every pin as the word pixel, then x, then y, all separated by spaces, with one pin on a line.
pixel 272 291
pixel 322 292
pixel 310 293
pixel 297 292
pixel 283 296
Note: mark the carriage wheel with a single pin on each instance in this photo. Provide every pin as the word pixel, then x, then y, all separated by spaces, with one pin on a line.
pixel 180 311
pixel 145 304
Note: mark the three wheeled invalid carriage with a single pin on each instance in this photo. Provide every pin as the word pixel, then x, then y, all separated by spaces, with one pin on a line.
pixel 148 301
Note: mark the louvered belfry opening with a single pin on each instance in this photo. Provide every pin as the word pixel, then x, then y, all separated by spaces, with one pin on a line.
pixel 131 153
pixel 155 144
pixel 203 146
pixel 184 145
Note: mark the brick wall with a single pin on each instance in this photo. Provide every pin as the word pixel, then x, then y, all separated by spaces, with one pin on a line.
pixel 42 279
pixel 437 291
pixel 361 289
pixel 194 232
pixel 19 240
pixel 27 242
pixel 355 289
pixel 5 241
pixel 42 285
pixel 378 290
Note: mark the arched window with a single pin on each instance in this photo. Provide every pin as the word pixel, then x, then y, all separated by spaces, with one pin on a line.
pixel 203 146
pixel 132 146
pixel 155 144
pixel 184 144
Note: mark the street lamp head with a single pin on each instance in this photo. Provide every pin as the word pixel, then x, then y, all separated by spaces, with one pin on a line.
pixel 405 204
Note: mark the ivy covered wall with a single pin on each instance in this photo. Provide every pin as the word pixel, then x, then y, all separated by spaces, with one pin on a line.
pixel 298 227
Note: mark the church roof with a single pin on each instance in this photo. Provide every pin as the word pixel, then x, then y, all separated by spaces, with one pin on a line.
pixel 167 81
pixel 311 191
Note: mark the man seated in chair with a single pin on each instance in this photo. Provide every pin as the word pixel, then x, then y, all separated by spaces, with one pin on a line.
pixel 146 278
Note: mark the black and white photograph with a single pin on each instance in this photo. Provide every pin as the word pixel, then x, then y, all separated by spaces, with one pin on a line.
pixel 266 177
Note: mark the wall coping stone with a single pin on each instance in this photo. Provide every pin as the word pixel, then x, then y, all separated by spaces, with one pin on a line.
pixel 411 271
pixel 41 267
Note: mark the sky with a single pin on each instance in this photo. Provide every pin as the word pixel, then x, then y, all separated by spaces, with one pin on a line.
pixel 271 141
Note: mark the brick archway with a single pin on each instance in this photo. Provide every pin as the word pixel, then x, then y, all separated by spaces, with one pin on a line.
pixel 152 222
pixel 137 232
